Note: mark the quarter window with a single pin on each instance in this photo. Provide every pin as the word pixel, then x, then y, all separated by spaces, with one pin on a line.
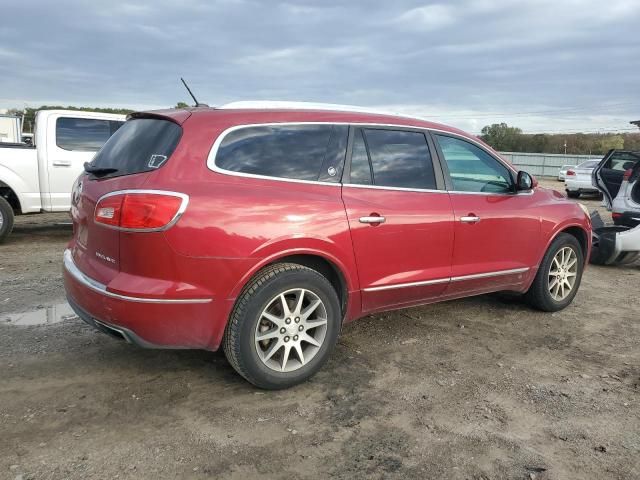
pixel 472 169
pixel 392 158
pixel 299 152
pixel 84 134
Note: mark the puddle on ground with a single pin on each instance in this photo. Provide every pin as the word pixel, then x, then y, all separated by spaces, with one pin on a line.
pixel 42 316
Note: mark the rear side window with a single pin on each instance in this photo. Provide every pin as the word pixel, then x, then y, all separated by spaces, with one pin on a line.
pixel 140 145
pixel 84 134
pixel 395 158
pixel 298 152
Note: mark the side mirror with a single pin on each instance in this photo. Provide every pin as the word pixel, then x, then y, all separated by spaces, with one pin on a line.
pixel 525 181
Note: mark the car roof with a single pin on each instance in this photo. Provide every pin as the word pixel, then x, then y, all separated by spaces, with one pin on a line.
pixel 256 112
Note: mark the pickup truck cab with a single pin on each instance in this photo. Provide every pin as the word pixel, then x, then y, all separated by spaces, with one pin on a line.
pixel 39 177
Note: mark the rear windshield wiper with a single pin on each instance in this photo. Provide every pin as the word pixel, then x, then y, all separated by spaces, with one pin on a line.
pixel 98 171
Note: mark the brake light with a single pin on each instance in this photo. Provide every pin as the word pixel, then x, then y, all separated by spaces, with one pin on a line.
pixel 140 210
pixel 570 173
pixel 615 215
pixel 627 174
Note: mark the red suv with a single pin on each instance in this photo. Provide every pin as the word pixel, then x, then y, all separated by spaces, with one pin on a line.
pixel 265 229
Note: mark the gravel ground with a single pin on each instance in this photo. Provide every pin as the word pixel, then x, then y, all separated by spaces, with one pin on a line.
pixel 472 389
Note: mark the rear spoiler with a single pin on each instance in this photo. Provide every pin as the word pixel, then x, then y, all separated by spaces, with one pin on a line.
pixel 177 116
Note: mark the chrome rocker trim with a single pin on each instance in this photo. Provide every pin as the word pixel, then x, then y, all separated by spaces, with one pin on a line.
pixel 98 287
pixel 448 279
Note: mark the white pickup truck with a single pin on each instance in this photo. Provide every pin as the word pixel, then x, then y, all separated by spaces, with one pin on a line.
pixel 39 177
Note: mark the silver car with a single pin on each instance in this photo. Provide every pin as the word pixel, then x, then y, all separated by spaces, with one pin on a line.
pixel 562 174
pixel 618 178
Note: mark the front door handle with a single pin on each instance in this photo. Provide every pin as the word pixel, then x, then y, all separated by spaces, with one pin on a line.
pixel 470 219
pixel 373 219
pixel 61 163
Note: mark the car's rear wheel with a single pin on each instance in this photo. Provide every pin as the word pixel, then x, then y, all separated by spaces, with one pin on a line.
pixel 559 275
pixel 573 194
pixel 6 219
pixel 283 327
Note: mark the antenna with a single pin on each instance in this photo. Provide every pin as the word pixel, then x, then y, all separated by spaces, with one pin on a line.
pixel 198 104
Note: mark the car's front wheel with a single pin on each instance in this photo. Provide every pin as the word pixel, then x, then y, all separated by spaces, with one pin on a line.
pixel 573 194
pixel 559 275
pixel 283 327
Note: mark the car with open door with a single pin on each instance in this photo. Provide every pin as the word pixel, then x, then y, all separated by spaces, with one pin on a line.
pixel 263 228
pixel 618 178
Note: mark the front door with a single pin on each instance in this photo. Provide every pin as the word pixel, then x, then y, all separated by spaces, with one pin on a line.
pixel 400 218
pixel 497 231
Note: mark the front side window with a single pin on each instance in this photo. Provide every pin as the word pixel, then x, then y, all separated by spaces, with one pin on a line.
pixel 472 169
pixel 392 158
pixel 84 134
pixel 298 152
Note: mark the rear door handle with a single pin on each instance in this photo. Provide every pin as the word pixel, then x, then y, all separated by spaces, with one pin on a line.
pixel 61 163
pixel 470 219
pixel 372 219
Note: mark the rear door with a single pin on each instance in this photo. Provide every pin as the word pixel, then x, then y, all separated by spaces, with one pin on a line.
pixel 75 140
pixel 399 215
pixel 607 176
pixel 497 231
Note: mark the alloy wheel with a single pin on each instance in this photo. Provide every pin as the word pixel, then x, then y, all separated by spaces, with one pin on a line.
pixel 562 273
pixel 291 330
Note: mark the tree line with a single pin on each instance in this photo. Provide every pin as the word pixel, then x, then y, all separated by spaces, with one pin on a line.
pixel 504 138
pixel 500 136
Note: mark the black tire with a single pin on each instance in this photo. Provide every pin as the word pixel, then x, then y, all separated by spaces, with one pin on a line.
pixel 573 194
pixel 538 295
pixel 6 219
pixel 239 337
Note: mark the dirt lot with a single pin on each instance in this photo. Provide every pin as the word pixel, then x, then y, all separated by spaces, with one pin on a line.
pixel 471 389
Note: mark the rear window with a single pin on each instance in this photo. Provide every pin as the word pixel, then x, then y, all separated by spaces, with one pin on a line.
pixel 141 145
pixel 298 152
pixel 84 134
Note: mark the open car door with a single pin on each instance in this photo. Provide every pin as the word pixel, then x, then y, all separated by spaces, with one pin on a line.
pixel 607 176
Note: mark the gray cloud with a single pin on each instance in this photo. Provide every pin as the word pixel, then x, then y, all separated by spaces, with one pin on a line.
pixel 467 63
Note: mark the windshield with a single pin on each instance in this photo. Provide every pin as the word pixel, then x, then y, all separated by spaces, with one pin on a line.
pixel 140 145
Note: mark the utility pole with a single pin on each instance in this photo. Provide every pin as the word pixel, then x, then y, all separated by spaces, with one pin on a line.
pixel 565 147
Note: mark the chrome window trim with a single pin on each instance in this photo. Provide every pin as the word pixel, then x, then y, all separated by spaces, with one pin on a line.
pixel 400 189
pixel 98 287
pixel 174 220
pixel 437 281
pixel 211 158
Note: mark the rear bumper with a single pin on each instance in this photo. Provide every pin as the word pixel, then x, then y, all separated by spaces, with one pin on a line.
pixel 144 321
pixel 579 186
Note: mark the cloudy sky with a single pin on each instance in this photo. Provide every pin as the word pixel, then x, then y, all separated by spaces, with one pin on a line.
pixel 543 65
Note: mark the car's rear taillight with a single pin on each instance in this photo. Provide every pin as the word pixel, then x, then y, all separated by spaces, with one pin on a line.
pixel 140 210
pixel 570 173
pixel 616 215
pixel 627 174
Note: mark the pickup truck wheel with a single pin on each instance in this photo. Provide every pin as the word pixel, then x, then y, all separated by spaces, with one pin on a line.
pixel 6 219
pixel 283 327
pixel 559 275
